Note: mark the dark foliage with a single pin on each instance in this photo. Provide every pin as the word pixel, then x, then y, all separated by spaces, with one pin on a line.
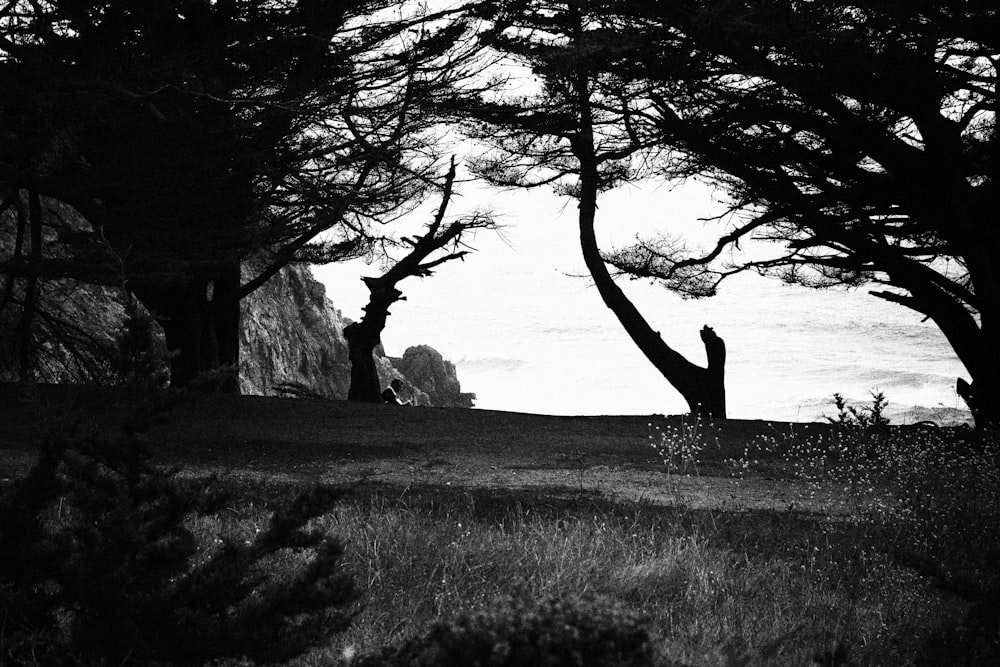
pixel 973 640
pixel 579 134
pixel 99 565
pixel 182 138
pixel 551 634
pixel 142 351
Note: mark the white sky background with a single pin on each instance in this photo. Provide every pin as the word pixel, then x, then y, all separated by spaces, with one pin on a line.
pixel 528 335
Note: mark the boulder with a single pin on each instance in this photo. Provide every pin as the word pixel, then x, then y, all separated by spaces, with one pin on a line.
pixel 431 373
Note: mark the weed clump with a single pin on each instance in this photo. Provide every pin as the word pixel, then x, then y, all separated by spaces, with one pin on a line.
pixel 680 445
pixel 555 633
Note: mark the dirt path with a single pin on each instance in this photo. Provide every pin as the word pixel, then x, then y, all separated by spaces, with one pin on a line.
pixel 644 486
pixel 655 487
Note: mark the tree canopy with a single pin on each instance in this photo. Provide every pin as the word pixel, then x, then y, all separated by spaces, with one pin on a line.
pixel 858 137
pixel 189 135
pixel 861 137
pixel 577 133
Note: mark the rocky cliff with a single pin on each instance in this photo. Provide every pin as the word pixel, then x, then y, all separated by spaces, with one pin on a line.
pixel 430 372
pixel 75 330
pixel 292 343
pixel 291 338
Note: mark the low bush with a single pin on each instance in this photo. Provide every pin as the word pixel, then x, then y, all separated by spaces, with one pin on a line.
pixel 555 633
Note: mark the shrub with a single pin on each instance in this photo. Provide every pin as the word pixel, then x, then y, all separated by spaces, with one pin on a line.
pixel 864 416
pixel 98 565
pixel 556 633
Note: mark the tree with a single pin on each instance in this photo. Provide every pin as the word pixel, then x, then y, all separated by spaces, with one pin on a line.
pixel 191 135
pixel 860 137
pixel 579 134
pixel 363 337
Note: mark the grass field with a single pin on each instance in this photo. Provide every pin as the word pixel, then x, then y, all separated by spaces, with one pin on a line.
pixel 735 542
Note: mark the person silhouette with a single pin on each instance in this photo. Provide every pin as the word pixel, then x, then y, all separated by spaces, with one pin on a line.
pixel 391 394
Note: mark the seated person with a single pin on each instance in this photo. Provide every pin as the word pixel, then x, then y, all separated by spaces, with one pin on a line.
pixel 391 393
pixel 389 397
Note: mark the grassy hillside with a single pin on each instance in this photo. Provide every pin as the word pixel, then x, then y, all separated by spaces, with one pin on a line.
pixel 735 542
pixel 280 434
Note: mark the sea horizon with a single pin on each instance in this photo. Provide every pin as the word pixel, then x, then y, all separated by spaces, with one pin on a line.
pixel 527 332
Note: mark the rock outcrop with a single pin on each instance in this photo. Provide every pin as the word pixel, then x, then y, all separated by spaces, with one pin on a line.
pixel 292 338
pixel 428 371
pixel 292 343
pixel 76 326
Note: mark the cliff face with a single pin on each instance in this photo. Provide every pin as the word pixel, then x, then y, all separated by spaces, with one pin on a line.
pixel 76 326
pixel 292 339
pixel 292 343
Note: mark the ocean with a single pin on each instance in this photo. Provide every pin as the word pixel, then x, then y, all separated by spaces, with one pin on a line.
pixel 527 331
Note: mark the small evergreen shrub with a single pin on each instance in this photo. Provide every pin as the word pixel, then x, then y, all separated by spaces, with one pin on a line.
pixel 555 633
pixel 99 565
pixel 865 416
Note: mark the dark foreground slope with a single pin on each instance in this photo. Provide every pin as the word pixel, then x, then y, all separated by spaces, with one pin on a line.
pixel 282 435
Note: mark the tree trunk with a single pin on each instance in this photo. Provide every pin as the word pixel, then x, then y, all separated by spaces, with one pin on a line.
pixel 974 342
pixel 982 395
pixel 362 338
pixel 361 343
pixel 183 321
pixel 20 223
pixel 702 388
pixel 26 349
pixel 200 322
pixel 225 315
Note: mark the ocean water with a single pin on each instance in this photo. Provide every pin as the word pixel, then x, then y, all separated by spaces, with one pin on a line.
pixel 528 332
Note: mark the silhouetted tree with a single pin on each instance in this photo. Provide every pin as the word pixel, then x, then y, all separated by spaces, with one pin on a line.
pixel 189 135
pixel 579 133
pixel 440 242
pixel 861 137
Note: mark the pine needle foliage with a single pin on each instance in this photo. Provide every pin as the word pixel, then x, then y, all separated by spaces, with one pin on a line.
pixel 99 565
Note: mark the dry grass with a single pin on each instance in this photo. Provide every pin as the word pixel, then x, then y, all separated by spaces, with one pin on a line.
pixel 715 588
pixel 717 585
